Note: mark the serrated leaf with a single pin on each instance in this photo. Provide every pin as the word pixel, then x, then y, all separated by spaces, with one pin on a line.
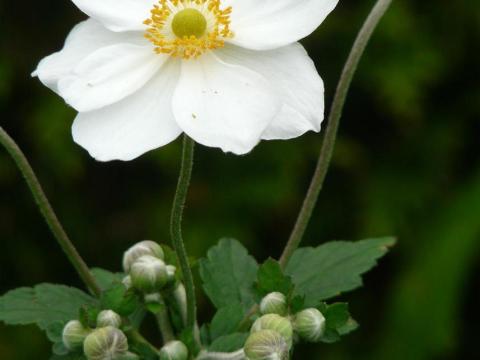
pixel 228 274
pixel 106 278
pixel 229 343
pixel 226 320
pixel 338 321
pixel 335 267
pixel 44 305
pixel 120 299
pixel 271 278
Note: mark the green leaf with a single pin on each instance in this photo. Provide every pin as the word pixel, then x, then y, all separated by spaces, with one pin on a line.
pixel 106 278
pixel 270 278
pixel 120 299
pixel 226 320
pixel 229 343
pixel 228 274
pixel 335 267
pixel 338 321
pixel 44 305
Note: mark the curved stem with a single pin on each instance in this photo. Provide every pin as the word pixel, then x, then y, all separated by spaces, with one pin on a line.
pixel 176 227
pixel 48 213
pixel 137 337
pixel 326 152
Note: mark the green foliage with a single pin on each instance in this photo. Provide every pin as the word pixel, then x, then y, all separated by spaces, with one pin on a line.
pixel 69 357
pixel 338 321
pixel 106 278
pixel 43 305
pixel 270 278
pixel 229 343
pixel 228 274
pixel 226 320
pixel 120 299
pixel 335 267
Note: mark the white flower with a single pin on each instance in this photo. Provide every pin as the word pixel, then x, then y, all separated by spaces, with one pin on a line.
pixel 228 73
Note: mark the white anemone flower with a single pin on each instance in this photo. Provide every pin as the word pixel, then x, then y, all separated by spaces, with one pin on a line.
pixel 228 73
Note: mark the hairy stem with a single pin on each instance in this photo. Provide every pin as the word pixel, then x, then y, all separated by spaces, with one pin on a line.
pixel 176 227
pixel 328 145
pixel 48 213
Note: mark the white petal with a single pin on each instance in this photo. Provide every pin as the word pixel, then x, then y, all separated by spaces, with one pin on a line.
pixel 85 38
pixel 133 126
pixel 269 24
pixel 223 105
pixel 109 75
pixel 118 15
pixel 293 74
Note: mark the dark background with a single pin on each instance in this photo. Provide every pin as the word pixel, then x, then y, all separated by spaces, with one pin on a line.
pixel 406 164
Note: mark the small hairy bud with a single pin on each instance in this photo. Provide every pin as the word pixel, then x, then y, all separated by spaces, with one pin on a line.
pixel 107 343
pixel 74 334
pixel 146 247
pixel 109 318
pixel 276 323
pixel 148 273
pixel 174 350
pixel 274 303
pixel 266 345
pixel 310 324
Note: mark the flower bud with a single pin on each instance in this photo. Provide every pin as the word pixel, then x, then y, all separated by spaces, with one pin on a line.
pixel 109 318
pixel 274 303
pixel 310 324
pixel 174 350
pixel 277 323
pixel 148 273
pixel 106 343
pixel 73 335
pixel 146 247
pixel 266 345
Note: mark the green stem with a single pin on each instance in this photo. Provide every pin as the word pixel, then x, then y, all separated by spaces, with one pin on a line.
pixel 164 324
pixel 48 213
pixel 328 145
pixel 176 227
pixel 138 338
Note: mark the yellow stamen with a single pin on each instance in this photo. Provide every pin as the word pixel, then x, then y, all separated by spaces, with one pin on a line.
pixel 188 28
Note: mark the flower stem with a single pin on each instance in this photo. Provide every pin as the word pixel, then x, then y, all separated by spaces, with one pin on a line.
pixel 326 152
pixel 48 213
pixel 176 227
pixel 163 321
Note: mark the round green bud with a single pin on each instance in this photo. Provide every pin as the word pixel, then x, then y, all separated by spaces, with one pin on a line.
pixel 109 318
pixel 174 350
pixel 189 22
pixel 107 343
pixel 146 247
pixel 277 323
pixel 149 274
pixel 74 334
pixel 266 345
pixel 310 324
pixel 274 303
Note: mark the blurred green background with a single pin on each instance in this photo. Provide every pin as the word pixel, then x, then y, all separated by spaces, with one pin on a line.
pixel 406 164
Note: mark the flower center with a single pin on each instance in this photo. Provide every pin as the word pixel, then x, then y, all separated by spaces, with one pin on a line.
pixel 188 28
pixel 189 22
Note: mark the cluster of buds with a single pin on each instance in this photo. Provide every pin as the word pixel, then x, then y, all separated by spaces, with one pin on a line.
pixel 273 333
pixel 105 342
pixel 145 265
